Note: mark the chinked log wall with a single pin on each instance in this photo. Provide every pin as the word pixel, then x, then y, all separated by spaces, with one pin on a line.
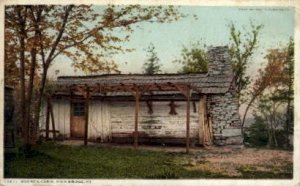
pixel 158 127
pixel 115 121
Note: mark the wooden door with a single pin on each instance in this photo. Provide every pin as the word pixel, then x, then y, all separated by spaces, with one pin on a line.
pixel 77 119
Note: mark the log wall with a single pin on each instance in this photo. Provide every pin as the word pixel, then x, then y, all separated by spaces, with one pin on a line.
pixel 114 121
pixel 159 124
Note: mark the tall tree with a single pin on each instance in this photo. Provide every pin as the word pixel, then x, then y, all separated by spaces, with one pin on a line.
pixel 241 50
pixel 43 32
pixel 289 69
pixel 285 92
pixel 193 59
pixel 275 81
pixel 152 65
pixel 277 74
pixel 268 77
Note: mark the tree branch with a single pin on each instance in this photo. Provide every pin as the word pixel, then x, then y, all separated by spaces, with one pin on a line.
pixel 60 33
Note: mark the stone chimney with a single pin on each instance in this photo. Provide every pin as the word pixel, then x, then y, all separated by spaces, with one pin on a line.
pixel 219 61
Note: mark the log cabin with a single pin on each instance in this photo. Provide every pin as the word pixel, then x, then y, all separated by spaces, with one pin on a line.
pixel 191 109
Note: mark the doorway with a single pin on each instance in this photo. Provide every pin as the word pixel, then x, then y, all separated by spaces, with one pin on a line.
pixel 77 119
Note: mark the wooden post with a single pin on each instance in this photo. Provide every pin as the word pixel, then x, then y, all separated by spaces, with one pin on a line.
pixel 210 130
pixel 52 119
pixel 47 119
pixel 188 121
pixel 136 118
pixel 87 99
pixel 186 91
pixel 71 107
pixel 201 121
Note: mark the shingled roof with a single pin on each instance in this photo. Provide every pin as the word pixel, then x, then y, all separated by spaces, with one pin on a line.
pixel 217 80
pixel 199 82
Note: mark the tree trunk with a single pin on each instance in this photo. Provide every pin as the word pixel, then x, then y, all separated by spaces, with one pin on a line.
pixel 39 101
pixel 36 18
pixel 269 138
pixel 22 32
pixel 288 114
pixel 46 65
pixel 30 92
pixel 245 114
pixel 22 89
pixel 274 136
pixel 290 91
pixel 287 130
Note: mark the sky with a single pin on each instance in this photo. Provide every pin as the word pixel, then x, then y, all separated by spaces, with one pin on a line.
pixel 210 28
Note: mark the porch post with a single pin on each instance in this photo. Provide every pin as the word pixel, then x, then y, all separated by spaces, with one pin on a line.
pixel 71 108
pixel 87 101
pixel 136 118
pixel 188 120
pixel 47 119
pixel 202 120
pixel 52 118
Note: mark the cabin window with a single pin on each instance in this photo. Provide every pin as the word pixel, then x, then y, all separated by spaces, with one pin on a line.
pixel 78 109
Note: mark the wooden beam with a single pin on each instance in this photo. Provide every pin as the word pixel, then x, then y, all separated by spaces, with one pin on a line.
pixel 71 105
pixel 71 87
pixel 199 91
pixel 201 119
pixel 47 119
pixel 188 121
pixel 143 88
pixel 136 118
pixel 94 89
pixel 98 88
pixel 184 90
pixel 80 89
pixel 157 86
pixel 52 119
pixel 86 112
pixel 209 124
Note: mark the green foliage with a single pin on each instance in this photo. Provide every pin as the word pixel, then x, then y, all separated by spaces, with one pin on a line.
pixel 284 56
pixel 193 59
pixel 241 50
pixel 64 30
pixel 257 135
pixel 275 103
pixel 267 130
pixel 151 66
pixel 285 93
pixel 35 35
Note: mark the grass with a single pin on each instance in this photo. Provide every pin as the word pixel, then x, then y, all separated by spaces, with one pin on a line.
pixel 252 172
pixel 58 161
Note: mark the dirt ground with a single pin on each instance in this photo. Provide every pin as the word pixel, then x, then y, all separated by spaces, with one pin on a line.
pixel 232 161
